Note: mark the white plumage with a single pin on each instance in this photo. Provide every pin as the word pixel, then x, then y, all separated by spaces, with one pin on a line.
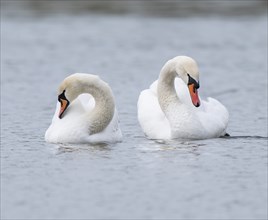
pixel 174 116
pixel 80 121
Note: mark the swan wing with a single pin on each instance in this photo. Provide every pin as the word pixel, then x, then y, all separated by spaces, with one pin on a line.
pixel 70 128
pixel 74 129
pixel 151 117
pixel 214 117
pixel 87 101
pixel 112 133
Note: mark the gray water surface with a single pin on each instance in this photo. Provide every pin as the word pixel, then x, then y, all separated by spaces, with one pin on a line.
pixel 224 178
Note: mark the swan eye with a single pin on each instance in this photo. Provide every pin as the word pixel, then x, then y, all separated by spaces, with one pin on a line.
pixel 62 96
pixel 193 81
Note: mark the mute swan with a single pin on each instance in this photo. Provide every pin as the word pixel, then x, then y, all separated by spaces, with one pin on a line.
pixel 84 118
pixel 165 110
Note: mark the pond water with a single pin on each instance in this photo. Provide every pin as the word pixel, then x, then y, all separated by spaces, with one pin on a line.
pixel 224 178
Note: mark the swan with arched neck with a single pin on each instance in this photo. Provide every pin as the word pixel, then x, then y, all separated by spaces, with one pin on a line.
pixel 85 112
pixel 172 109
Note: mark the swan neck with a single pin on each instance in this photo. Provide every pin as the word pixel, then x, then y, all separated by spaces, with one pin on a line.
pixel 102 114
pixel 166 90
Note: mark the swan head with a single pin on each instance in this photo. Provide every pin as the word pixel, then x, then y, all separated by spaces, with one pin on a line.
pixel 187 70
pixel 69 90
pixel 64 103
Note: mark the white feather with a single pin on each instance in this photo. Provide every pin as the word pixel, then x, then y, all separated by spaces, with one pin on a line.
pixel 184 121
pixel 74 127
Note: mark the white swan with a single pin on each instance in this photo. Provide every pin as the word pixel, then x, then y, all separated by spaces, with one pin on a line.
pixel 84 118
pixel 165 110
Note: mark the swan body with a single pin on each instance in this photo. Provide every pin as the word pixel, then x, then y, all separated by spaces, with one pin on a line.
pixel 85 112
pixel 168 109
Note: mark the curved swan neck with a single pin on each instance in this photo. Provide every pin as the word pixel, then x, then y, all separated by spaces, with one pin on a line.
pixel 165 90
pixel 103 112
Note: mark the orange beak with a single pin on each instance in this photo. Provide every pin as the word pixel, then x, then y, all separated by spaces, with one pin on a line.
pixel 63 106
pixel 194 95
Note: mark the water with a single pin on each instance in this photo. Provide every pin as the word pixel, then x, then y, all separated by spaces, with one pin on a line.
pixel 223 178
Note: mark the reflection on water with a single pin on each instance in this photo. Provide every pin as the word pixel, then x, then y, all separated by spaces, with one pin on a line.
pixel 255 137
pixel 67 148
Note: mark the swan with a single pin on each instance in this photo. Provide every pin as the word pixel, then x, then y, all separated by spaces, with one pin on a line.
pixel 85 112
pixel 168 109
